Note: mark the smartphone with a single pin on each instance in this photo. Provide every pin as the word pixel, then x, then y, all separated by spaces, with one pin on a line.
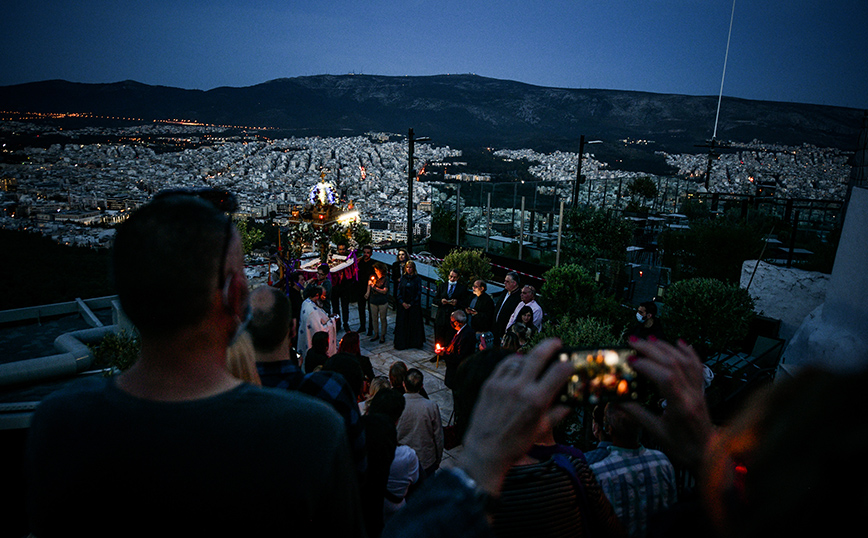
pixel 601 375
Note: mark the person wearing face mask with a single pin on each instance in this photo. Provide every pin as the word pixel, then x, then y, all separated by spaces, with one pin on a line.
pixel 648 324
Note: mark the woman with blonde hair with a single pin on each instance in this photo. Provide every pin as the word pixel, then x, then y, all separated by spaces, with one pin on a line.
pixel 241 359
pixel 379 382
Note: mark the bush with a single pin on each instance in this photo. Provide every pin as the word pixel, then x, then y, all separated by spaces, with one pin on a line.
pixel 571 291
pixel 584 332
pixel 713 248
pixel 472 265
pixel 707 313
pixel 593 233
pixel 116 350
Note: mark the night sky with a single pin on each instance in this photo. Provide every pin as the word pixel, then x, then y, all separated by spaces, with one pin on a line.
pixel 797 50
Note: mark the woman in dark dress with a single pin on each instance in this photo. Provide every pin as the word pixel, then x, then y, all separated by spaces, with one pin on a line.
pixel 409 328
pixel 398 269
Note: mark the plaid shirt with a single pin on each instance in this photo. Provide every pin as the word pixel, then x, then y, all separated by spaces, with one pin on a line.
pixel 638 482
pixel 327 386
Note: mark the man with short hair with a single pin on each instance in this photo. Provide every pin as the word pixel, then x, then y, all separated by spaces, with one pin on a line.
pixel 462 346
pixel 365 272
pixel 269 330
pixel 639 482
pixel 506 304
pixel 342 289
pixel 175 444
pixel 449 296
pixel 420 426
pixel 648 324
pixel 528 298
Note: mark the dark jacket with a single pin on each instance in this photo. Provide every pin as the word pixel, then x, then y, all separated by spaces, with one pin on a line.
pixel 483 319
pixel 462 346
pixel 503 309
pixel 461 293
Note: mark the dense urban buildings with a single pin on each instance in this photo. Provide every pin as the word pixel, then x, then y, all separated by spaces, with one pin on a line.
pixel 75 191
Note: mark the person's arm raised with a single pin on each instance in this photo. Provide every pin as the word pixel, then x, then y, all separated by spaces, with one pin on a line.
pixel 685 428
pixel 514 400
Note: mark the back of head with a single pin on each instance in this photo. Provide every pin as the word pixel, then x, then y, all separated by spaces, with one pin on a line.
pixel 319 342
pixel 623 429
pixel 397 372
pixel 413 380
pixel 271 315
pixel 389 402
pixel 165 258
pixel 771 472
pixel 469 378
pixel 350 343
pixel 510 342
pixel 348 366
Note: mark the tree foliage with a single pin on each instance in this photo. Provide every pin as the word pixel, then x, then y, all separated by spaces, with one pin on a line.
pixel 707 313
pixel 593 233
pixel 443 225
pixel 712 248
pixel 570 292
pixel 250 234
pixel 472 265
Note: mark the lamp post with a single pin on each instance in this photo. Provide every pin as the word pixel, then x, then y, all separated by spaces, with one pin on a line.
pixel 578 172
pixel 411 177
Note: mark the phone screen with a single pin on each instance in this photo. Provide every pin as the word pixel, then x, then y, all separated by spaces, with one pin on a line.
pixel 601 375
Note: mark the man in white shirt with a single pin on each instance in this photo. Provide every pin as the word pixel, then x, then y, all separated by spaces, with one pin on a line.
pixel 528 298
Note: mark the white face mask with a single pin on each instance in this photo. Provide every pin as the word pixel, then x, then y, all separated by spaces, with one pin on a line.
pixel 639 317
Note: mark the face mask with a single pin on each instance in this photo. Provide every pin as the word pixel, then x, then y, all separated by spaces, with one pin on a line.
pixel 639 317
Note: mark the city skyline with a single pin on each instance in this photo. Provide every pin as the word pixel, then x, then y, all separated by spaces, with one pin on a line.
pixel 803 51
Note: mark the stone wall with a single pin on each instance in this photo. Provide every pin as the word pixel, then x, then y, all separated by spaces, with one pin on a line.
pixel 784 293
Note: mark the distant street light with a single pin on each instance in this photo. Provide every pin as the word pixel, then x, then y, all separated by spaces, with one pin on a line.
pixel 411 177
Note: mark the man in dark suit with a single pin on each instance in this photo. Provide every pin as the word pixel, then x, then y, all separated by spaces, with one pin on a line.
pixel 366 271
pixel 506 304
pixel 462 346
pixel 481 314
pixel 450 296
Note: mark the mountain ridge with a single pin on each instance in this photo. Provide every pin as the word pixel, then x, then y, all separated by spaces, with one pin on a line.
pixel 459 110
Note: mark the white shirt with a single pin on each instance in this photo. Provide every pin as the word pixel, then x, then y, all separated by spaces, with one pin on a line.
pixel 537 314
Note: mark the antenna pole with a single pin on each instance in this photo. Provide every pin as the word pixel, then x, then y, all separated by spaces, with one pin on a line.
pixel 723 76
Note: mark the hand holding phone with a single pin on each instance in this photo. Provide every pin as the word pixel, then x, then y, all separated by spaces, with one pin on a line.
pixel 600 376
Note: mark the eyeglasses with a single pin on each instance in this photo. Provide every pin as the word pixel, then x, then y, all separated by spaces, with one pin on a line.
pixel 222 200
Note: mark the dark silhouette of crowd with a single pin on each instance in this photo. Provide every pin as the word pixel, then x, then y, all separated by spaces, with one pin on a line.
pixel 221 427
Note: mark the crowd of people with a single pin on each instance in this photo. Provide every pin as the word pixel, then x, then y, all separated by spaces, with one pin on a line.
pixel 223 427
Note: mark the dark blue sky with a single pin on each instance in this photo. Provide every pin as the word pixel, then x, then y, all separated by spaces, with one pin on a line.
pixel 797 50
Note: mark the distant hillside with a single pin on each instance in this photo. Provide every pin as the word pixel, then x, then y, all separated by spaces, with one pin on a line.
pixel 460 110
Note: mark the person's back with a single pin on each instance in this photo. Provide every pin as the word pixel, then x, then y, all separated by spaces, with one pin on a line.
pixel 420 426
pixel 556 495
pixel 638 481
pixel 105 463
pixel 176 445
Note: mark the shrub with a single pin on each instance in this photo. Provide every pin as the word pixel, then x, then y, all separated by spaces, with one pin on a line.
pixel 570 291
pixel 712 248
pixel 472 265
pixel 116 350
pixel 584 332
pixel 593 233
pixel 707 313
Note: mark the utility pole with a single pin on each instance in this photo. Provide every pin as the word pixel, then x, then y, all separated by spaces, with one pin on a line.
pixel 578 172
pixel 411 177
